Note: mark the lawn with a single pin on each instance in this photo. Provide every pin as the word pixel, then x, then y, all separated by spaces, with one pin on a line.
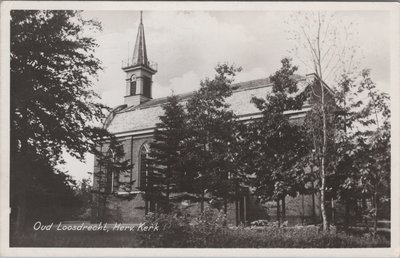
pixel 76 239
pixel 192 236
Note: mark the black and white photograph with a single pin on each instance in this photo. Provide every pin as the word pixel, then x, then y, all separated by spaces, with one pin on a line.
pixel 217 126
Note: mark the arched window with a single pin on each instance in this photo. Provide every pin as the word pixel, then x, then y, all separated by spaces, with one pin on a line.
pixel 144 166
pixel 133 85
pixel 111 177
pixel 145 179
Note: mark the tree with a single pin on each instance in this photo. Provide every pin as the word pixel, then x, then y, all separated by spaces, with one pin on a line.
pixel 320 126
pixel 374 154
pixel 324 42
pixel 212 135
pixel 327 49
pixel 356 162
pixel 167 152
pixel 83 191
pixel 279 143
pixel 53 107
pixel 50 195
pixel 243 160
pixel 344 183
pixel 113 176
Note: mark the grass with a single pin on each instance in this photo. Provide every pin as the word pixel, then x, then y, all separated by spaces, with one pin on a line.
pixel 294 238
pixel 189 236
pixel 75 239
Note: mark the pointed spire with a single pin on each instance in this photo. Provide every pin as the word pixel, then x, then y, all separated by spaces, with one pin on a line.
pixel 140 53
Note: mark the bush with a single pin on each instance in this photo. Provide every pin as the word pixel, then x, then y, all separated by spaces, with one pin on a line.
pixel 181 230
pixel 208 230
pixel 173 230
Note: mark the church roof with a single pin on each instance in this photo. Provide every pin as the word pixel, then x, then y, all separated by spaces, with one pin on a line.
pixel 146 115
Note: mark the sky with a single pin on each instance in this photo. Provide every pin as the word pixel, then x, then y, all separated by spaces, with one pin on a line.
pixel 187 45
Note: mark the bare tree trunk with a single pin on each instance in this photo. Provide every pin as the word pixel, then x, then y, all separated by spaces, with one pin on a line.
pixel 302 209
pixel 104 208
pixel 167 197
pixel 278 213
pixel 225 211
pixel 314 219
pixel 146 205
pixel 328 54
pixel 283 209
pixel 323 211
pixel 323 160
pixel 23 178
pixel 237 212
pixel 21 215
pixel 318 67
pixel 225 205
pixel 21 204
pixel 364 207
pixel 333 211
pixel 202 201
pixel 376 211
pixel 237 205
pixel 357 215
pixel 245 209
pixel 347 214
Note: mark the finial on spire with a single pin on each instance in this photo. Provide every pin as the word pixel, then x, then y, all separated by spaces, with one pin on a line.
pixel 141 14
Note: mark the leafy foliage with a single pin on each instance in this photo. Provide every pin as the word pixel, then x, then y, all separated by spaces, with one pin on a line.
pixel 279 143
pixel 113 176
pixel 207 230
pixel 182 235
pixel 52 71
pixel 374 156
pixel 50 195
pixel 213 132
pixel 320 127
pixel 167 156
pixel 83 191
pixel 52 105
pixel 326 47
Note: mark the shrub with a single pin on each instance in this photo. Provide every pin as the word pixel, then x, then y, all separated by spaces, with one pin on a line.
pixel 208 230
pixel 181 230
pixel 173 230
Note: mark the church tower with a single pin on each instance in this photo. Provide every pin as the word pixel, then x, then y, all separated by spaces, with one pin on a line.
pixel 139 71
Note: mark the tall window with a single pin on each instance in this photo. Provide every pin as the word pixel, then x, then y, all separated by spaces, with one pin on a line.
pixel 109 181
pixel 133 85
pixel 145 179
pixel 111 177
pixel 147 87
pixel 144 166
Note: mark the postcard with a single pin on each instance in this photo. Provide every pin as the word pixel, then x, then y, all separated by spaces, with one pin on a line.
pixel 199 129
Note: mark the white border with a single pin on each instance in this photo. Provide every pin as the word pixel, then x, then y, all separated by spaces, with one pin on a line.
pixel 393 8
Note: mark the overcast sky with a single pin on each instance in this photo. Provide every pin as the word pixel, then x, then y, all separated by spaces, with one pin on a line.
pixel 188 45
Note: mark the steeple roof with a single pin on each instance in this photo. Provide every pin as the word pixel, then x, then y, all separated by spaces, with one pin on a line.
pixel 140 53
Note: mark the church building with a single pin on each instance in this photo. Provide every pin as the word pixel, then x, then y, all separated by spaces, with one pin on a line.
pixel 133 124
